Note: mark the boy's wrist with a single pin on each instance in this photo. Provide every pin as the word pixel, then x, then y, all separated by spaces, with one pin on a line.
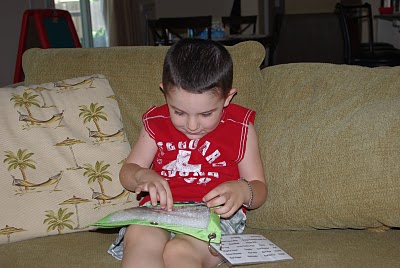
pixel 248 204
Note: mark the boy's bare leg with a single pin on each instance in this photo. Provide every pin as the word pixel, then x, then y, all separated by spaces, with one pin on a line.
pixel 144 246
pixel 185 251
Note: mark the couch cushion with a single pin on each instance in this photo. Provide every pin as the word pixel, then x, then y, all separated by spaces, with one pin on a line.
pixel 62 145
pixel 330 141
pixel 327 249
pixel 135 74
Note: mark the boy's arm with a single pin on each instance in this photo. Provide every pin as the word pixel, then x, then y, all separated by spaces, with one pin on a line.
pixel 251 169
pixel 136 175
pixel 231 195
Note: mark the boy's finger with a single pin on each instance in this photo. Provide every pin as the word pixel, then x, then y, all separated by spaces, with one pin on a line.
pixel 208 196
pixel 211 195
pixel 138 189
pixel 162 196
pixel 225 212
pixel 153 195
pixel 170 201
pixel 217 201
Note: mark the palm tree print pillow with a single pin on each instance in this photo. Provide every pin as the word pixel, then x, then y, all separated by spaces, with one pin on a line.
pixel 62 145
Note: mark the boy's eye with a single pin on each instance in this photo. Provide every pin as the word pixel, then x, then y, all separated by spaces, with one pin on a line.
pixel 206 114
pixel 179 113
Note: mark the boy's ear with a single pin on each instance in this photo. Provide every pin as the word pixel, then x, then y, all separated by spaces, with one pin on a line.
pixel 162 88
pixel 231 94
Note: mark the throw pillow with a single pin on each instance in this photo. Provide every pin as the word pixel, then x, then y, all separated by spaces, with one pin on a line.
pixel 62 145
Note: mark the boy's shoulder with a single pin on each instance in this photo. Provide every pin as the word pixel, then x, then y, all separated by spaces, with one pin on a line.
pixel 237 113
pixel 237 108
pixel 156 111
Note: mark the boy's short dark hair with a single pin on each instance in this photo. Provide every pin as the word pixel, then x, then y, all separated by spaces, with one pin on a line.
pixel 197 66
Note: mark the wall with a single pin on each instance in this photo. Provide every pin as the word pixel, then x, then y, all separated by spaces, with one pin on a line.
pixel 10 27
pixel 309 6
pixel 187 8
pixel 383 30
pixel 175 8
pixel 215 8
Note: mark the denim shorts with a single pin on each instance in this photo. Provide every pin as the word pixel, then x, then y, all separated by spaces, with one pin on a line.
pixel 232 225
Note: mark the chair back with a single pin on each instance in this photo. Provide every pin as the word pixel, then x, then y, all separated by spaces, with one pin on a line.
pixel 156 32
pixel 45 28
pixel 165 30
pixel 352 17
pixel 240 24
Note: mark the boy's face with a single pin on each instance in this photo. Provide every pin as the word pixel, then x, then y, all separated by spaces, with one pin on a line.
pixel 196 115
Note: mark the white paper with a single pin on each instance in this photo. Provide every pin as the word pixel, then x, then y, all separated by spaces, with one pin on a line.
pixel 248 249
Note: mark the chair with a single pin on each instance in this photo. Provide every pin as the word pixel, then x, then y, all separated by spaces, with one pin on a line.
pixel 239 24
pixel 370 54
pixel 356 29
pixel 156 32
pixel 45 28
pixel 166 30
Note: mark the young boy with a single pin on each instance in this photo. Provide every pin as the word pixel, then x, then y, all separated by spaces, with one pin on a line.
pixel 201 148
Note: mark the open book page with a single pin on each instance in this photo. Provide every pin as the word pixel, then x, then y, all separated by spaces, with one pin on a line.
pixel 249 249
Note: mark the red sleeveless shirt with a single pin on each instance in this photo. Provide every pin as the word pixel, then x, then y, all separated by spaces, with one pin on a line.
pixel 194 167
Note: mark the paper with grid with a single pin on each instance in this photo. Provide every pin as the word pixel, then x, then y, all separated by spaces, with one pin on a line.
pixel 249 249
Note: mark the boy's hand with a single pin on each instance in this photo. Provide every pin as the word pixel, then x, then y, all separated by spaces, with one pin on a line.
pixel 230 196
pixel 157 187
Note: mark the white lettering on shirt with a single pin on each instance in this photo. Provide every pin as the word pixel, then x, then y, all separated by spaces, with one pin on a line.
pixel 170 146
pixel 193 144
pixel 203 180
pixel 203 149
pixel 211 158
pixel 182 145
pixel 160 148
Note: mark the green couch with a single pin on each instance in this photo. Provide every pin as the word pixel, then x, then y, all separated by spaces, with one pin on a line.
pixel 329 137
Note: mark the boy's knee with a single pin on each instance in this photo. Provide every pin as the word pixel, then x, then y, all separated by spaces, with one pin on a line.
pixel 132 231
pixel 177 248
pixel 135 233
pixel 131 234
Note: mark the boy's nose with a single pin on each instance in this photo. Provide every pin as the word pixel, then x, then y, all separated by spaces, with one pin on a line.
pixel 192 124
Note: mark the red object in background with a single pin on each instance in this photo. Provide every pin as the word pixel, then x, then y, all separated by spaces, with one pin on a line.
pixel 386 10
pixel 51 28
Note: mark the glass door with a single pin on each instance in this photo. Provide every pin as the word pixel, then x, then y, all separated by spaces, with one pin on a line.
pixel 88 18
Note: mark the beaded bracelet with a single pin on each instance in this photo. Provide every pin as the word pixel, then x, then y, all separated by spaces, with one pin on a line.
pixel 251 194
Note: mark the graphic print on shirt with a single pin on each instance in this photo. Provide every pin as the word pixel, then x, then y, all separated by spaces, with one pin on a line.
pixel 181 166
